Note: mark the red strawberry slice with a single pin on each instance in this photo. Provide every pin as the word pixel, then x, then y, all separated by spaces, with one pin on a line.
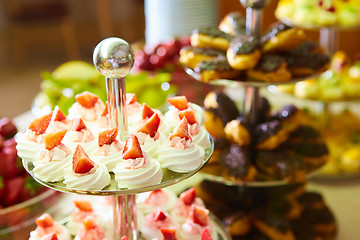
pixel 188 197
pixel 147 112
pixel 131 98
pixel 40 124
pixel 58 115
pixel 189 114
pixel 205 235
pixel 132 148
pixel 180 102
pixel 81 162
pixel 198 215
pixel 159 215
pixel 151 126
pixel 53 139
pixel 181 130
pixel 87 99
pixel 168 233
pixel 106 110
pixel 125 238
pixel 45 221
pixel 78 124
pixel 83 205
pixel 89 223
pixel 51 236
pixel 107 136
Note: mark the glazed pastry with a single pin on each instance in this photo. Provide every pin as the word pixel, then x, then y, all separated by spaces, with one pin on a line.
pixel 236 131
pixel 270 135
pixel 290 117
pixel 238 224
pixel 311 200
pixel 233 23
pixel 243 52
pixel 237 160
pixel 192 56
pixel 215 69
pixel 306 59
pixel 210 37
pixel 321 220
pixel 271 68
pixel 281 37
pixel 313 154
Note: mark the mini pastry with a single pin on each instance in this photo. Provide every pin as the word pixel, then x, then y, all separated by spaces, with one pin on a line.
pixel 163 199
pixel 136 168
pixel 83 210
pixel 45 226
pixel 237 131
pixel 192 56
pixel 58 121
pixel 311 200
pixel 321 220
pixel 85 174
pixel 270 68
pixel 281 37
pixel 243 52
pixel 210 37
pixel 233 23
pixel 90 230
pixel 313 154
pixel 179 153
pixel 290 117
pixel 237 160
pixel 238 224
pixel 153 222
pixel 269 135
pixel 215 69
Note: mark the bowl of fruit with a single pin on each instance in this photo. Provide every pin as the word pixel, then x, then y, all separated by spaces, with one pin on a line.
pixel 22 199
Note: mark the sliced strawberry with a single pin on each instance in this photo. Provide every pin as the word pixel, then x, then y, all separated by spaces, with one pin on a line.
pixel 180 102
pixel 58 115
pixel 181 130
pixel 147 112
pixel 159 215
pixel 83 205
pixel 89 223
pixel 205 235
pixel 189 114
pixel 87 99
pixel 151 126
pixel 53 139
pixel 81 162
pixel 78 124
pixel 51 236
pixel 198 215
pixel 106 110
pixel 131 98
pixel 45 221
pixel 132 148
pixel 125 238
pixel 107 136
pixel 188 197
pixel 168 233
pixel 40 124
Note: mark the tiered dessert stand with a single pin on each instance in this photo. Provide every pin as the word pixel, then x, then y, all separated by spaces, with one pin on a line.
pixel 114 58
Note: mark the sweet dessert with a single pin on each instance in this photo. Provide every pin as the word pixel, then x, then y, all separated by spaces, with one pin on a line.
pixel 281 37
pixel 270 135
pixel 179 153
pixel 233 23
pixel 58 121
pixel 238 224
pixel 210 37
pixel 163 199
pixel 154 222
pixel 45 226
pixel 182 207
pixel 191 56
pixel 270 68
pixel 85 174
pixel 90 230
pixel 243 52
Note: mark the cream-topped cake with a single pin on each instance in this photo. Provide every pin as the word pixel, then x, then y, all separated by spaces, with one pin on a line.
pixel 46 226
pixel 90 230
pixel 153 222
pixel 83 210
pixel 163 199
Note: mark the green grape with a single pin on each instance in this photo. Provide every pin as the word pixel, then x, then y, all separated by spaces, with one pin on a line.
pixel 51 88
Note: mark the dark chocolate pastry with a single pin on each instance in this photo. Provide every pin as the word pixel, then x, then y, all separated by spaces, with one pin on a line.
pixel 269 135
pixel 274 30
pixel 212 32
pixel 244 44
pixel 233 23
pixel 269 63
pixel 311 200
pixel 221 105
pixel 320 219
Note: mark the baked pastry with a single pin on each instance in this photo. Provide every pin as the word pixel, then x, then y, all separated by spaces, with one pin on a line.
pixel 269 135
pixel 290 117
pixel 243 52
pixel 237 131
pixel 270 68
pixel 321 220
pixel 215 69
pixel 233 23
pixel 238 224
pixel 281 37
pixel 210 37
pixel 313 154
pixel 191 56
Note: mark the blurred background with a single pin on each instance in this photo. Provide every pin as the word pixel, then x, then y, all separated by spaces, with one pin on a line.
pixel 39 35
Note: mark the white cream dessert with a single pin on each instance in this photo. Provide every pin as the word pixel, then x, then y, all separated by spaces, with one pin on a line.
pixel 148 202
pixel 109 151
pixel 58 121
pixel 46 226
pixel 153 222
pixel 179 154
pixel 90 230
pixel 136 169
pixel 84 174
pixel 53 159
pixel 83 211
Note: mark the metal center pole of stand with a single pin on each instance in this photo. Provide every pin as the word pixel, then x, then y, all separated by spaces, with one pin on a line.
pixel 253 21
pixel 251 102
pixel 329 40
